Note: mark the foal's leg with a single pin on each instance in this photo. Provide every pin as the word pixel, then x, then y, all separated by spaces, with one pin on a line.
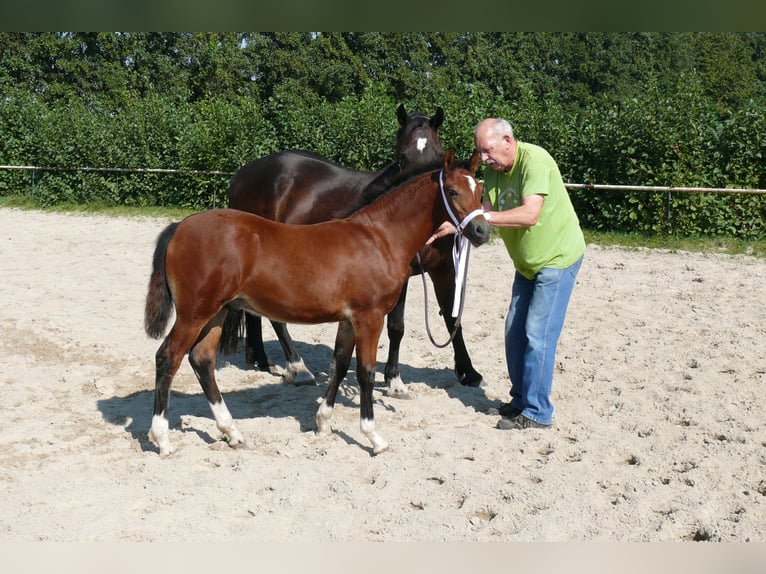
pixel 296 372
pixel 395 325
pixel 168 358
pixel 202 359
pixel 367 335
pixel 341 359
pixel 443 278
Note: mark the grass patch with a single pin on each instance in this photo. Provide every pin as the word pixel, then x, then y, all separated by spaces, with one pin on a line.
pixel 99 209
pixel 728 245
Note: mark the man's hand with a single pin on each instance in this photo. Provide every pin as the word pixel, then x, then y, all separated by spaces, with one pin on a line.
pixel 445 229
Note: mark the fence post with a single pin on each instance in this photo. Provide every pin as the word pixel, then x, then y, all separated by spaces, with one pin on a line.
pixel 669 208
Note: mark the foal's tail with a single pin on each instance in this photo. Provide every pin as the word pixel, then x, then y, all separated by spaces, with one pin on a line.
pixel 159 299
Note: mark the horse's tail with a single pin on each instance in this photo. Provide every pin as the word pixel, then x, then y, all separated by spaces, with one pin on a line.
pixel 159 299
pixel 233 328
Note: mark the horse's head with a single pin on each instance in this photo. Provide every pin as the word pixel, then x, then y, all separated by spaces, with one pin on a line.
pixel 418 146
pixel 462 194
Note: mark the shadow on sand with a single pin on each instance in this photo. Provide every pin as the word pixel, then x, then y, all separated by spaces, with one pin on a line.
pixel 133 412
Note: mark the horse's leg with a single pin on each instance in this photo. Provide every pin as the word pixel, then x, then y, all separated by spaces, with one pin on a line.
pixel 395 326
pixel 443 278
pixel 296 372
pixel 341 359
pixel 202 359
pixel 367 336
pixel 168 358
pixel 255 353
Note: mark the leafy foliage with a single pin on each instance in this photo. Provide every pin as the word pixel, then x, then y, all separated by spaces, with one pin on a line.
pixel 663 109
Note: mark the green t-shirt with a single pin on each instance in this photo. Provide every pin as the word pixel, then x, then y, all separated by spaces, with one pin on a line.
pixel 556 240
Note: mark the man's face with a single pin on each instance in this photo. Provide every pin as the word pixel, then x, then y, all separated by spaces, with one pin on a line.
pixel 496 152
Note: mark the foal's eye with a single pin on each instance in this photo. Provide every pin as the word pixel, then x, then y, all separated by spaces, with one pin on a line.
pixel 453 192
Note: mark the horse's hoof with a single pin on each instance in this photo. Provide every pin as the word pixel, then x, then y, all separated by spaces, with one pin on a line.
pixel 399 394
pixel 474 384
pixel 296 374
pixel 472 379
pixel 397 389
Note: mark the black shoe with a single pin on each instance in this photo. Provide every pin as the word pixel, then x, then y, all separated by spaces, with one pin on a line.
pixel 526 423
pixel 508 411
pixel 508 424
pixel 519 422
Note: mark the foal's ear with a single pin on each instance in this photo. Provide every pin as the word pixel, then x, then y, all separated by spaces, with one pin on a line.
pixel 475 160
pixel 401 115
pixel 449 160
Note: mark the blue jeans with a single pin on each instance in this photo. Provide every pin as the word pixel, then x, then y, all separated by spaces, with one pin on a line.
pixel 532 329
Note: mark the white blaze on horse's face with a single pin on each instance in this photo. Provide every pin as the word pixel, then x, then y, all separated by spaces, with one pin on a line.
pixel 422 144
pixel 471 183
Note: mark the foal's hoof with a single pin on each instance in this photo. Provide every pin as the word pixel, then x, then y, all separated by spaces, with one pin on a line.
pixel 379 449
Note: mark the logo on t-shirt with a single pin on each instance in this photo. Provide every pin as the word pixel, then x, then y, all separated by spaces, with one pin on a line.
pixel 509 198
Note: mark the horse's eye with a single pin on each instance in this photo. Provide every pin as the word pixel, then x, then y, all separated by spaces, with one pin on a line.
pixel 453 192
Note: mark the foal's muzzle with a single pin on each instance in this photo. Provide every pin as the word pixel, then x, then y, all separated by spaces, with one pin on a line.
pixel 478 231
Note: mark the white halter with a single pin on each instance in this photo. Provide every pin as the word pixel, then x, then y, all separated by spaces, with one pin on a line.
pixel 461 249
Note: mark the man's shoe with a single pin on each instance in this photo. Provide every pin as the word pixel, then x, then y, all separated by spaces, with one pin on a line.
pixel 519 422
pixel 526 423
pixel 507 424
pixel 508 411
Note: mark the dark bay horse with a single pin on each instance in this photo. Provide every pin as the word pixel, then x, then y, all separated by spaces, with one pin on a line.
pixel 302 187
pixel 352 271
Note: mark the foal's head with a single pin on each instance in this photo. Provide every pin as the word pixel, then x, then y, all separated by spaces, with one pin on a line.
pixel 418 145
pixel 463 194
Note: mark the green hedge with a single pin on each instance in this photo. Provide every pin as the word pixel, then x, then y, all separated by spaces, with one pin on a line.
pixel 683 140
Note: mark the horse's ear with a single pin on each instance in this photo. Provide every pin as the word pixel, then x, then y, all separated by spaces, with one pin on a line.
pixel 475 160
pixel 401 115
pixel 449 160
pixel 437 119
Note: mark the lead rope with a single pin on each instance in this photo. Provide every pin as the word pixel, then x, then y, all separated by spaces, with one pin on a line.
pixel 460 254
pixel 425 304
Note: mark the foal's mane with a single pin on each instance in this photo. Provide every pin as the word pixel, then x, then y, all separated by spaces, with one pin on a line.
pixel 432 172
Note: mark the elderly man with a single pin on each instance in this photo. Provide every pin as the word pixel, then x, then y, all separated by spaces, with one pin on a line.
pixel 526 200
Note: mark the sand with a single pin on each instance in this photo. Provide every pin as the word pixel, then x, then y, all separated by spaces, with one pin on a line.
pixel 659 431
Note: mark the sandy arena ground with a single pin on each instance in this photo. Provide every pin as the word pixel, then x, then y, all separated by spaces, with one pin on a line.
pixel 659 432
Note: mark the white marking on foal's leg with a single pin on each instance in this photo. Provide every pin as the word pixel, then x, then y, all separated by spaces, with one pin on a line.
pixel 160 435
pixel 422 144
pixel 225 424
pixel 297 374
pixel 324 414
pixel 378 442
pixel 397 388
